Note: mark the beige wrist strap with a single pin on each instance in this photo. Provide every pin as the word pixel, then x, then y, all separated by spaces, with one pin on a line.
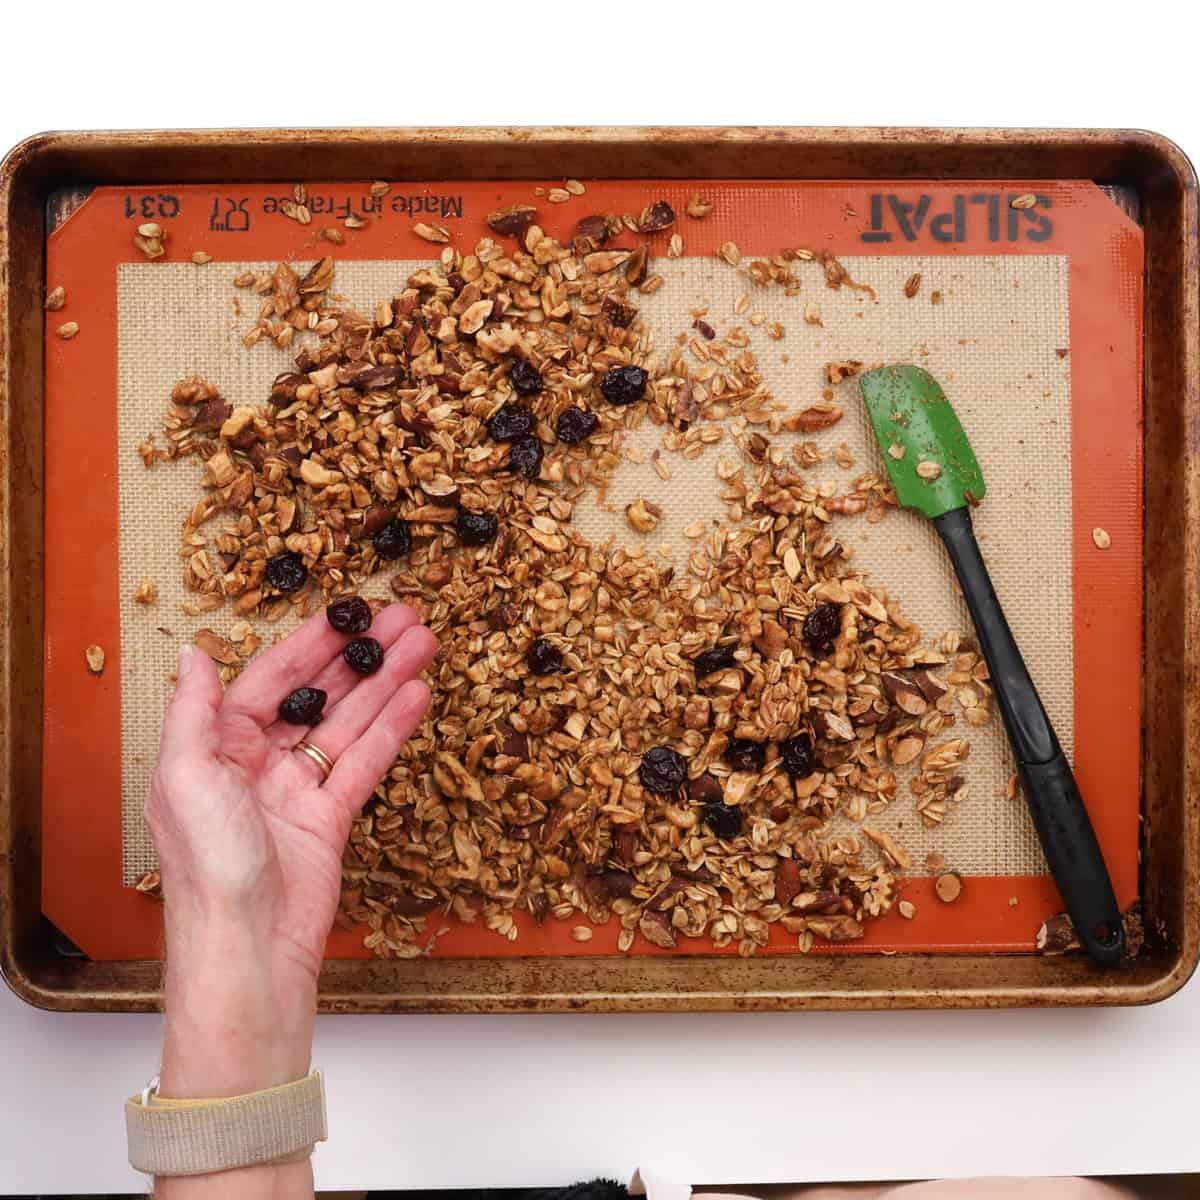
pixel 197 1137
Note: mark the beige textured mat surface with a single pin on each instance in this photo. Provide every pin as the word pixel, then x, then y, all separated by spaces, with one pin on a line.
pixel 991 342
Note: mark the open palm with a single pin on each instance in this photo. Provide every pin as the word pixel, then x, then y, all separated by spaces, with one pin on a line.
pixel 242 821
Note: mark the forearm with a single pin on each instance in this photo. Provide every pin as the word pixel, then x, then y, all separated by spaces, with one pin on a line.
pixel 292 1181
pixel 237 1021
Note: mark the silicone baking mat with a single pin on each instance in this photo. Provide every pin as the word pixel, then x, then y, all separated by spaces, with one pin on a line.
pixel 1030 317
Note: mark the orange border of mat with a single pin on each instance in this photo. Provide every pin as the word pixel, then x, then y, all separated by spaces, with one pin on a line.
pixel 82 891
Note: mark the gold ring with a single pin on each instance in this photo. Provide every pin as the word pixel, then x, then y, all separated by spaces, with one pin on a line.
pixel 317 755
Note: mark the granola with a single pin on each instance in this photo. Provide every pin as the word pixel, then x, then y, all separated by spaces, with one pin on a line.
pixel 523 789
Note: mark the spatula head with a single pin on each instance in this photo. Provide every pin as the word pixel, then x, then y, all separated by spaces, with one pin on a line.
pixel 918 431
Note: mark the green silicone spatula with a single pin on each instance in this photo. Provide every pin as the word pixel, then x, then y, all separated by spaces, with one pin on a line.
pixel 934 470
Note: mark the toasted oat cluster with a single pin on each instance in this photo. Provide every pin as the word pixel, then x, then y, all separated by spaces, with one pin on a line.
pixel 610 737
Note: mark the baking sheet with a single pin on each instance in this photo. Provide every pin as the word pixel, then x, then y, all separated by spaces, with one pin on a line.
pixel 1006 341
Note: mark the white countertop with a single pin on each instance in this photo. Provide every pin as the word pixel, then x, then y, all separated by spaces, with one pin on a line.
pixel 423 1102
pixel 458 1101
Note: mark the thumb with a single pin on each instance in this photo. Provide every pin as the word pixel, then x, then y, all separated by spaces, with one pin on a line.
pixel 190 724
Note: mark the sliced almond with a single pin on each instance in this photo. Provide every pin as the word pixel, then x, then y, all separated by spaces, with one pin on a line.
pixel 217 648
pixel 431 232
pixel 894 853
pixel 904 694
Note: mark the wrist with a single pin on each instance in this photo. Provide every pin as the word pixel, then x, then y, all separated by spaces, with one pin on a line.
pixel 239 1016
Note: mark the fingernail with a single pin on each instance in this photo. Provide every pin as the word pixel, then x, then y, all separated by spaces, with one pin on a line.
pixel 185 660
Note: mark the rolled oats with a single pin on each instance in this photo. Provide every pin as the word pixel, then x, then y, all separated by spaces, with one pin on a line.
pixel 521 792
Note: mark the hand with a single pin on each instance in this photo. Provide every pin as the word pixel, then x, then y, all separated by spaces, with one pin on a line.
pixel 250 840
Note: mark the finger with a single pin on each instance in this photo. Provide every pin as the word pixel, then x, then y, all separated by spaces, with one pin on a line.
pixel 367 760
pixel 290 664
pixel 336 679
pixel 294 662
pixel 351 718
pixel 190 723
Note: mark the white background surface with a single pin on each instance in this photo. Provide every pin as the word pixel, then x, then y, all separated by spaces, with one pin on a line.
pixel 444 1102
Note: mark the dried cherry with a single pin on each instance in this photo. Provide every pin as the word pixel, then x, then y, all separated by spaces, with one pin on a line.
pixel 722 819
pixel 742 754
pixel 303 706
pixel 364 655
pixel 797 755
pixel 476 529
pixel 394 540
pixel 526 378
pixel 823 624
pixel 719 658
pixel 624 385
pixel 575 424
pixel 512 421
pixel 286 572
pixel 544 657
pixel 525 456
pixel 351 614
pixel 662 770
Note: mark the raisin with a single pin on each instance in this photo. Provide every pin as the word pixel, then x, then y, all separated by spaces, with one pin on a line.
pixel 744 755
pixel 303 706
pixel 525 378
pixel 797 755
pixel 544 658
pixel 823 624
pixel 724 821
pixel 624 385
pixel 394 540
pixel 364 655
pixel 286 571
pixel 525 457
pixel 351 614
pixel 512 421
pixel 574 425
pixel 476 529
pixel 662 770
pixel 719 658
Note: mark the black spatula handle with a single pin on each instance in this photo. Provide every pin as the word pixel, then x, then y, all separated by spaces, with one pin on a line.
pixel 1067 837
